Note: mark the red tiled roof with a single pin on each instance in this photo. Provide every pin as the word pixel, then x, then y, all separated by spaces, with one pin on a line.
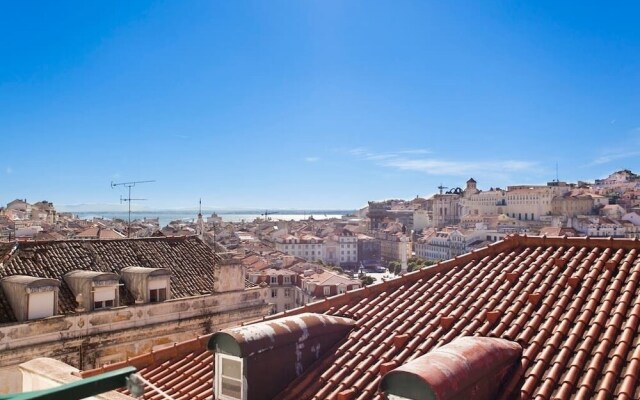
pixel 183 371
pixel 573 304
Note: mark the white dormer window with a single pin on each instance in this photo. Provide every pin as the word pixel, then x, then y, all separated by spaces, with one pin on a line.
pixel 228 384
pixel 104 297
pixel 148 285
pixel 287 280
pixel 274 279
pixel 41 304
pixel 157 290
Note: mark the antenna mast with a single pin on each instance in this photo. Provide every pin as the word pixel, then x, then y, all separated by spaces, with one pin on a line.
pixel 129 185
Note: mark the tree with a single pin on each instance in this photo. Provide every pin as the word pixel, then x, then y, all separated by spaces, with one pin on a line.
pixel 367 280
pixel 338 270
pixel 395 267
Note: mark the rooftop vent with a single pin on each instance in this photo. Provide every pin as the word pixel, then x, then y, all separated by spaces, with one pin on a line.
pixel 467 368
pixel 246 356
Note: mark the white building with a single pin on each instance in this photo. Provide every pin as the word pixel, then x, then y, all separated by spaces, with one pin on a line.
pixel 283 289
pixel 308 247
pixel 522 202
pixel 451 242
pixel 598 226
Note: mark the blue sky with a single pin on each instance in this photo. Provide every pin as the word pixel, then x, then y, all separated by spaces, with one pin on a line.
pixel 311 104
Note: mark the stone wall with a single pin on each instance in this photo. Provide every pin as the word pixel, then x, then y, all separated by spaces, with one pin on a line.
pixel 89 340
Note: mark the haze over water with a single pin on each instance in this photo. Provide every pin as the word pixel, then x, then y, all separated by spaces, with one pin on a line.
pixel 166 216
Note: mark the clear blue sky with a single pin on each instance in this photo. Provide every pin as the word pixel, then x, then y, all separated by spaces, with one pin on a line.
pixel 311 104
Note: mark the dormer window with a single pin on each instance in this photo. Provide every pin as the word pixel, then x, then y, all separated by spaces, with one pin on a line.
pixel 104 297
pixel 274 280
pixel 31 297
pixel 229 381
pixel 147 285
pixel 294 343
pixel 93 290
pixel 157 290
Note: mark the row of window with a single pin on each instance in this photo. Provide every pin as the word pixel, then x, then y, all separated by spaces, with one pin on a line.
pixel 274 293
pixel 286 279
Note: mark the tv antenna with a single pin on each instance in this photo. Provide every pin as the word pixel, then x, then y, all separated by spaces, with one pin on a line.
pixel 128 199
pixel 442 187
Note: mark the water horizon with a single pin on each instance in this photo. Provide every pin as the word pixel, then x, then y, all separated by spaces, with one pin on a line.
pixel 167 216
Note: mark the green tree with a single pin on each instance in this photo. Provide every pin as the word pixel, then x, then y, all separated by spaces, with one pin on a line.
pixel 412 266
pixel 367 280
pixel 395 267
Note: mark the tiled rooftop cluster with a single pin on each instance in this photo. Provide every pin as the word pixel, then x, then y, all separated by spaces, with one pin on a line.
pixel 182 371
pixel 188 258
pixel 572 304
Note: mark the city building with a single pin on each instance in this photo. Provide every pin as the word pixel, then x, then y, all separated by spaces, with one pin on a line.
pixel 306 246
pixel 283 286
pixel 394 246
pixel 91 302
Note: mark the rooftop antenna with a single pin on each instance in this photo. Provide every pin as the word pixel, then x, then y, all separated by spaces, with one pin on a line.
pixel 442 187
pixel 557 179
pixel 128 199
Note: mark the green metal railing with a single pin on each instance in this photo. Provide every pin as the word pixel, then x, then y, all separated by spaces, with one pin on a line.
pixel 120 378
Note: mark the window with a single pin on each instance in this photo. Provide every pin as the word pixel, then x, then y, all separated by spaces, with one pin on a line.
pixel 327 290
pixel 274 280
pixel 157 295
pixel 274 292
pixel 104 297
pixel 158 290
pixel 98 305
pixel 287 293
pixel 41 304
pixel 287 280
pixel 228 377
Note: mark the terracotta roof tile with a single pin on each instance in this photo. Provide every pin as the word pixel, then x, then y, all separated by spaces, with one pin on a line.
pixel 568 302
pixel 572 304
pixel 189 259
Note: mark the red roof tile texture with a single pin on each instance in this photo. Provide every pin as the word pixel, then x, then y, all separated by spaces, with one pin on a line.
pixel 573 304
pixel 182 371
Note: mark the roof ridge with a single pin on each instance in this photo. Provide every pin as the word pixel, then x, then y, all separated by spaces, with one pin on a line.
pixel 509 242
pixel 142 239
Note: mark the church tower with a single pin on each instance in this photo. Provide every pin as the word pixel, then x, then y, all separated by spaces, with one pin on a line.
pixel 471 188
pixel 200 222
